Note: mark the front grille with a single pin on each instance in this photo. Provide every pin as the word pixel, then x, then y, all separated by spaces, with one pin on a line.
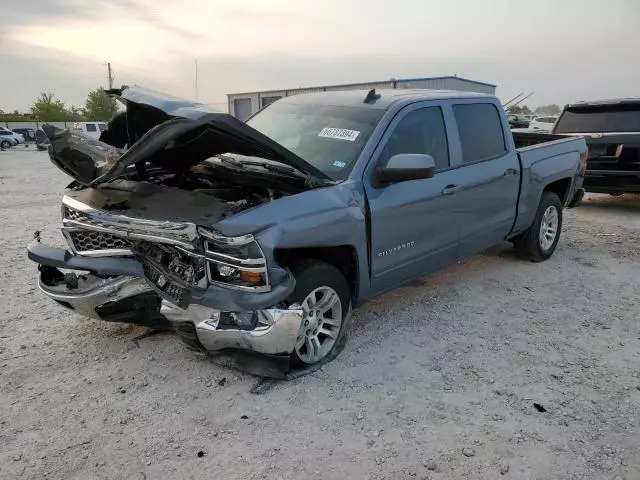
pixel 169 290
pixel 87 240
pixel 81 217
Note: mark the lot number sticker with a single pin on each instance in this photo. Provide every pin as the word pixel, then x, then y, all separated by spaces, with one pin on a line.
pixel 339 133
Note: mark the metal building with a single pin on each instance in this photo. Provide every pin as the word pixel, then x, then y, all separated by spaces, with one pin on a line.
pixel 243 105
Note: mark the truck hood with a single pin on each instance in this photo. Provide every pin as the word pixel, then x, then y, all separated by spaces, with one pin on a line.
pixel 173 134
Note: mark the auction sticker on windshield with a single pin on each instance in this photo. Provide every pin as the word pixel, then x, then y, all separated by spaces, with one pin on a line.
pixel 339 133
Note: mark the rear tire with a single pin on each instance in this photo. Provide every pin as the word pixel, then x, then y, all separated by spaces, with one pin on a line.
pixel 325 297
pixel 540 240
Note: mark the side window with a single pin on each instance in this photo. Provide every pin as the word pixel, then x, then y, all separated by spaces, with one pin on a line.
pixel 480 131
pixel 91 127
pixel 421 131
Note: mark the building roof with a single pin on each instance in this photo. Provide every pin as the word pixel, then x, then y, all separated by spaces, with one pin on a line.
pixel 364 84
pixel 387 97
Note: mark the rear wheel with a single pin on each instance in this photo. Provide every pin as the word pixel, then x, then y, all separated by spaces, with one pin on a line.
pixel 324 295
pixel 540 240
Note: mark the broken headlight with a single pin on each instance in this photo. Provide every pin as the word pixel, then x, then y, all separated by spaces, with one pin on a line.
pixel 234 262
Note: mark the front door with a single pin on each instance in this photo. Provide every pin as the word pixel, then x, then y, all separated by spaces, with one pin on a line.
pixel 413 223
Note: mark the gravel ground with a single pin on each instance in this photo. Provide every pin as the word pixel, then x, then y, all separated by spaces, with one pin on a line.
pixel 494 368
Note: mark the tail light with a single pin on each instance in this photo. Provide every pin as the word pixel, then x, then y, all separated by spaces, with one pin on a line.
pixel 583 161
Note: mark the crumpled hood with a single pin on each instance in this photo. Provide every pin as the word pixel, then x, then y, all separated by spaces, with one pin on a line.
pixel 173 134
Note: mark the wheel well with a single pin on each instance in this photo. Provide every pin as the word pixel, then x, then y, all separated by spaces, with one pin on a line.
pixel 343 257
pixel 560 188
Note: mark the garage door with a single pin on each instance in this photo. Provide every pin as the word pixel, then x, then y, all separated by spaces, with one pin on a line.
pixel 242 108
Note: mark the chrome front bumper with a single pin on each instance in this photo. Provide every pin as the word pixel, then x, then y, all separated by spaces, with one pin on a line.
pixel 278 337
pixel 94 292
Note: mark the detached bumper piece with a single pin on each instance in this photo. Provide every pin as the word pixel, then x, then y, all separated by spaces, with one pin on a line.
pixel 271 332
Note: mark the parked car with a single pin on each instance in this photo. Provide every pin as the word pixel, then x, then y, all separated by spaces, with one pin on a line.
pixel 28 134
pixel 263 235
pixel 543 124
pixel 612 131
pixel 9 138
pixel 90 129
pixel 518 121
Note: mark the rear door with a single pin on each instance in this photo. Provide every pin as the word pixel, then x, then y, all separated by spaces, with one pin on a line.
pixel 486 189
pixel 413 227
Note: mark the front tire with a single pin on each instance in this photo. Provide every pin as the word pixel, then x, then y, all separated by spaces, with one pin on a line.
pixel 5 144
pixel 323 292
pixel 540 240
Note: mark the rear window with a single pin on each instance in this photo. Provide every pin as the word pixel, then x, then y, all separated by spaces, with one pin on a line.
pixel 91 127
pixel 480 131
pixel 600 120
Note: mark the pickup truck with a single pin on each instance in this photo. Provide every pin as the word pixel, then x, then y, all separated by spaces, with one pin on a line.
pixel 612 132
pixel 262 236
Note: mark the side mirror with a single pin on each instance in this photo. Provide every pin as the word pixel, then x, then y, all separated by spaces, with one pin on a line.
pixel 406 166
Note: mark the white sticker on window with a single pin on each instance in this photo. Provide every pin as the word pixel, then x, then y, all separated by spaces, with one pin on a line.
pixel 339 133
pixel 339 164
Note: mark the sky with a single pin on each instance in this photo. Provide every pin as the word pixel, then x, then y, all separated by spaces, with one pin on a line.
pixel 563 50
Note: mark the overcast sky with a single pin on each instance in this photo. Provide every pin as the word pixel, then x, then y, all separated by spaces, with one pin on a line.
pixel 564 50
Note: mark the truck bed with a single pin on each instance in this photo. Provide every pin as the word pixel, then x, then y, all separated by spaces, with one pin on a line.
pixel 527 139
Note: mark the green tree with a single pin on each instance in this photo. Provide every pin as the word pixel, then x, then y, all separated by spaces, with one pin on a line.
pixel 99 106
pixel 552 109
pixel 48 108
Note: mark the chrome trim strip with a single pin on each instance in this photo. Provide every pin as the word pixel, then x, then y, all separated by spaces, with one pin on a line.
pixel 232 241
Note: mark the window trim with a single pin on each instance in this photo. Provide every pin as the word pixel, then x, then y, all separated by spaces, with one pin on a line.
pixel 376 156
pixel 506 144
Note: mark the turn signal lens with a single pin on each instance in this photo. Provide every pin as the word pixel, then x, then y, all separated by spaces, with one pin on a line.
pixel 251 277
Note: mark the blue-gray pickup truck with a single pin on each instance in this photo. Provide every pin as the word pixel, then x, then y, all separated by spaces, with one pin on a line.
pixel 262 236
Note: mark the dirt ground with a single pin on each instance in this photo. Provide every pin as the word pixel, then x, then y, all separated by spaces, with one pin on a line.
pixel 494 368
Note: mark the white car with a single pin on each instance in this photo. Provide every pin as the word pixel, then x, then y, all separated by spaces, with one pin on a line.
pixel 9 138
pixel 90 129
pixel 542 124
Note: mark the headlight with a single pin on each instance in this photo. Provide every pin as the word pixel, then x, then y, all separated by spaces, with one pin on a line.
pixel 235 262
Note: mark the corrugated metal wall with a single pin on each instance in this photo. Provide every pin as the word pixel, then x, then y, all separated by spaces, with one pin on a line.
pixel 445 83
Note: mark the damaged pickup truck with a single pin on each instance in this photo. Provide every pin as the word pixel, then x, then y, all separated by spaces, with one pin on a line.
pixel 261 236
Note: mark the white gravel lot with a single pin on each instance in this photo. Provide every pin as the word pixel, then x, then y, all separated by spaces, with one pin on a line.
pixel 437 381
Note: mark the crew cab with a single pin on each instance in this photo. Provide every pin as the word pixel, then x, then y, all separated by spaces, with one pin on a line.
pixel 262 236
pixel 612 131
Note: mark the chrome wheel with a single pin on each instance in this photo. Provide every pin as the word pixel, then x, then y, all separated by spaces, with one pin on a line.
pixel 320 325
pixel 548 228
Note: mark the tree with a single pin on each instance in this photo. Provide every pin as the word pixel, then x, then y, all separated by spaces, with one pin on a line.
pixel 48 108
pixel 99 106
pixel 518 110
pixel 552 109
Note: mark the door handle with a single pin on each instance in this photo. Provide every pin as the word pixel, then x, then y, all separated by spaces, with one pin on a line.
pixel 510 171
pixel 449 189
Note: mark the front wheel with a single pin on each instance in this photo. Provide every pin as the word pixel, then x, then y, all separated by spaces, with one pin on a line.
pixel 5 144
pixel 540 240
pixel 324 295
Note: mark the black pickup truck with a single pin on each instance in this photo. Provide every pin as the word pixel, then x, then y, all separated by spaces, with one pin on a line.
pixel 612 131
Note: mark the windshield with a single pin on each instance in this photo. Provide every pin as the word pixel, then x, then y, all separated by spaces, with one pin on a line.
pixel 600 120
pixel 328 137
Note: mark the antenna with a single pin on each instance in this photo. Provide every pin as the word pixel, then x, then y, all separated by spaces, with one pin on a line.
pixel 372 96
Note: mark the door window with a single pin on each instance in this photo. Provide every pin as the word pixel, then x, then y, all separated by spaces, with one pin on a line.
pixel 420 131
pixel 91 127
pixel 480 130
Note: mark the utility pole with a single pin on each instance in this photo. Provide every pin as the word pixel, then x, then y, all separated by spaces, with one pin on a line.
pixel 196 61
pixel 110 76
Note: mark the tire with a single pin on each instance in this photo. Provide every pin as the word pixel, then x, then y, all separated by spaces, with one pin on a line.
pixel 321 337
pixel 5 144
pixel 533 244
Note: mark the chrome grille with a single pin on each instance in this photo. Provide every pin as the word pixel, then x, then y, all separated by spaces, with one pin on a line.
pixel 88 240
pixel 78 216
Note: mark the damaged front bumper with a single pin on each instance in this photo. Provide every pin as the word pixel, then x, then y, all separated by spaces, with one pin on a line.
pixel 114 289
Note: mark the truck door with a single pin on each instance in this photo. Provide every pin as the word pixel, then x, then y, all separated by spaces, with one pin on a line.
pixel 413 225
pixel 489 177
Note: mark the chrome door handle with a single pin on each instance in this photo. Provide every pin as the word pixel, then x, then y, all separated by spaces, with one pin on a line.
pixel 510 171
pixel 449 189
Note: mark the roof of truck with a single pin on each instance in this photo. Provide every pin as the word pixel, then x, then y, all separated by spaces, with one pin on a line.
pixel 387 97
